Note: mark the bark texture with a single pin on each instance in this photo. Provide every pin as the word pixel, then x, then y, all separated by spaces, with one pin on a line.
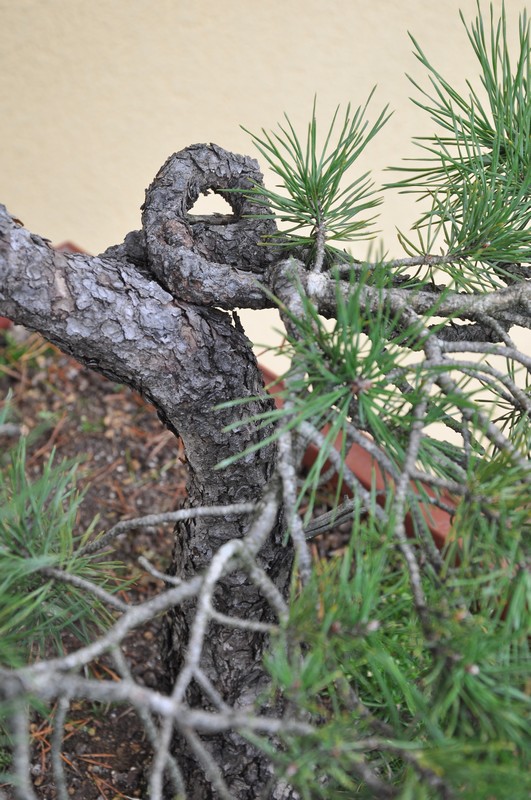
pixel 147 313
pixel 204 260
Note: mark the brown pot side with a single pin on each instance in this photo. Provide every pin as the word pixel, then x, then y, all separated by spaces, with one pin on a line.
pixel 368 473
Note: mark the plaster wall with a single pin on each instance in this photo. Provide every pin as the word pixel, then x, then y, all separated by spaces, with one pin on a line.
pixel 95 94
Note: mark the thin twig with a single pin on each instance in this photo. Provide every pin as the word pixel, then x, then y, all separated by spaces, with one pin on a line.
pixel 401 493
pixel 288 473
pixel 349 478
pixel 167 517
pixel 86 585
pixel 19 720
pixel 135 616
pixel 210 768
pixel 243 624
pixel 62 708
pixel 150 728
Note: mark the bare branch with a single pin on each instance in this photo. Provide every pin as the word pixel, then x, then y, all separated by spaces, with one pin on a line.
pixel 286 468
pixel 86 585
pixel 151 730
pixel 19 721
pixel 62 708
pixel 160 519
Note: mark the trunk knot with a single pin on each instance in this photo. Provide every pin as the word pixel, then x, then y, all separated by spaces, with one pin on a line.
pixel 185 252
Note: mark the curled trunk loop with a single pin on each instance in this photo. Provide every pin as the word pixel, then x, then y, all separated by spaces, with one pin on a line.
pixel 215 259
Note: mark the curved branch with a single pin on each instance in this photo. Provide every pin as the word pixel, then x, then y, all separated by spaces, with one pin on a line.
pixel 207 260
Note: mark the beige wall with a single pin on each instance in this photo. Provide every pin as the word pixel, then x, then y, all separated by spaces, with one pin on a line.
pixel 95 94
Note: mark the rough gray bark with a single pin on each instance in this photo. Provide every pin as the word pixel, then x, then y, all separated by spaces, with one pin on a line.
pixel 142 314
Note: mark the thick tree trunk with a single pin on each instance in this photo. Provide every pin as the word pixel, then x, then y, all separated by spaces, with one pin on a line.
pixel 113 313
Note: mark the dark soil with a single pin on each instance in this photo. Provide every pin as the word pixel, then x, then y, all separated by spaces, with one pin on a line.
pixel 130 466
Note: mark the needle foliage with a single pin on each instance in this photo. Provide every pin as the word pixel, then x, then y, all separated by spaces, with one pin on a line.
pixel 315 202
pixel 476 168
pixel 412 663
pixel 38 531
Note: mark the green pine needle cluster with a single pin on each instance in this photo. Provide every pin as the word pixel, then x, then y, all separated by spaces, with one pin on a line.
pixel 315 207
pixel 38 522
pixel 417 710
pixel 359 371
pixel 477 171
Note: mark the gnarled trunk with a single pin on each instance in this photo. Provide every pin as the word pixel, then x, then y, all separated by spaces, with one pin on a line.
pixel 143 314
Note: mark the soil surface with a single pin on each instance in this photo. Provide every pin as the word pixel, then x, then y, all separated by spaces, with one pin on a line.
pixel 130 466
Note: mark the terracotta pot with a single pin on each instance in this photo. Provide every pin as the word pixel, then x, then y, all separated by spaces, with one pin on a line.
pixel 368 472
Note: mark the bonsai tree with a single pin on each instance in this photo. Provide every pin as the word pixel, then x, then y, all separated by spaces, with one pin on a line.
pixel 398 668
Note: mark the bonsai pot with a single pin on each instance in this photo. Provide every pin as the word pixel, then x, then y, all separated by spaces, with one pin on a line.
pixel 367 471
